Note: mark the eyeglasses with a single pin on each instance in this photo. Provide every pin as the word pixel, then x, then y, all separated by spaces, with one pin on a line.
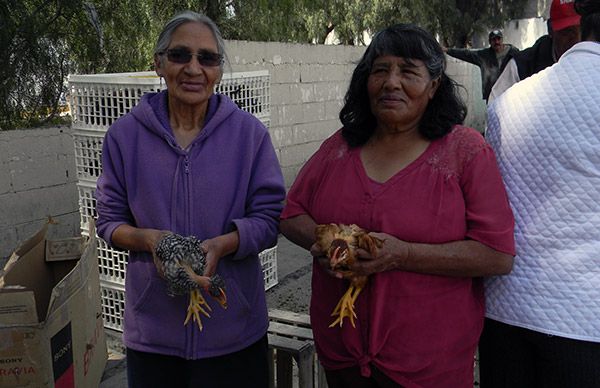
pixel 182 56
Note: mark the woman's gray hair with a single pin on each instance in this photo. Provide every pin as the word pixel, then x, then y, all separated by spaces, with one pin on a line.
pixel 164 38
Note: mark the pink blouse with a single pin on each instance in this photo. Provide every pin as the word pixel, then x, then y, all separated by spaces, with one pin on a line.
pixel 420 330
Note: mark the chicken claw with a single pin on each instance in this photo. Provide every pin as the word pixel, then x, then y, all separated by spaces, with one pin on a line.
pixel 345 307
pixel 195 307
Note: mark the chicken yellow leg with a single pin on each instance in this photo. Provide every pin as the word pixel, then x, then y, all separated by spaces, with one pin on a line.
pixel 195 308
pixel 345 307
pixel 340 243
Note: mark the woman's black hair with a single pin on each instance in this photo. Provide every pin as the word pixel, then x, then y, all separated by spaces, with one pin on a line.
pixel 444 110
pixel 590 18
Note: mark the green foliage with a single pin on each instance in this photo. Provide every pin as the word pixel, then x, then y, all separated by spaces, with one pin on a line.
pixel 34 61
pixel 43 41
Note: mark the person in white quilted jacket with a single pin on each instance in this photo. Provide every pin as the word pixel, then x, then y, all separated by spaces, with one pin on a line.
pixel 543 319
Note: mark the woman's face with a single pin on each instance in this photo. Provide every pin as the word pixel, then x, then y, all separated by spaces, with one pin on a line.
pixel 399 91
pixel 190 83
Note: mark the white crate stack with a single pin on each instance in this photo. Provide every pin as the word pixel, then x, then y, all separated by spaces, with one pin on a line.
pixel 96 102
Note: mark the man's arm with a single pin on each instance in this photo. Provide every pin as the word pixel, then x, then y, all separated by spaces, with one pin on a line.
pixel 471 56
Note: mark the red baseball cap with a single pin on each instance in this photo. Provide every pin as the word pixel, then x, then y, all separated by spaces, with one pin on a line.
pixel 563 15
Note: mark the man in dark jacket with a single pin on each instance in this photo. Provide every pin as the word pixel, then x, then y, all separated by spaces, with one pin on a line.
pixel 563 32
pixel 490 60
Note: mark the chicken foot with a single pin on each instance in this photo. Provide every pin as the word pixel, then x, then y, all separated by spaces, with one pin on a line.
pixel 345 307
pixel 195 308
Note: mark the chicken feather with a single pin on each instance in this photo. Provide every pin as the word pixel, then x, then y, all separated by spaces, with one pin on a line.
pixel 181 261
pixel 339 242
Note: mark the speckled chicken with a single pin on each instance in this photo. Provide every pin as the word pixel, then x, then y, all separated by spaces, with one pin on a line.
pixel 340 243
pixel 182 261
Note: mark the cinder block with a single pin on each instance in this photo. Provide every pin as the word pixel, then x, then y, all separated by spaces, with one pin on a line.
pixel 312 72
pixel 307 53
pixel 289 175
pixel 5 178
pixel 8 240
pixel 313 132
pixel 245 52
pixel 328 91
pixel 332 110
pixel 312 112
pixel 340 54
pixel 285 73
pixel 4 147
pixel 34 142
pixel 298 153
pixel 24 206
pixel 307 92
pixel 291 114
pixel 285 94
pixel 38 172
pixel 282 136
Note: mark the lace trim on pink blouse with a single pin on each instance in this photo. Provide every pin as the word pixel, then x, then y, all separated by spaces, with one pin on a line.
pixel 455 151
pixel 335 147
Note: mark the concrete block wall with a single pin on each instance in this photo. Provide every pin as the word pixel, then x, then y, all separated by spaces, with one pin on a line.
pixel 308 84
pixel 37 180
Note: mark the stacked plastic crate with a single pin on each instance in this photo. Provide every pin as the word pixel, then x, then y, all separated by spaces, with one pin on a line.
pixel 96 102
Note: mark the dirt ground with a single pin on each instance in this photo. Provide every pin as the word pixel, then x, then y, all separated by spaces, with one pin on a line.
pixel 294 266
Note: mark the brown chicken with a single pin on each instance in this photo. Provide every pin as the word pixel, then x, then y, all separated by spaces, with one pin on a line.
pixel 340 243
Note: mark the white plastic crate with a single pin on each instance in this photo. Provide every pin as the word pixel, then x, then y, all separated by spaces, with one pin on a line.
pixel 112 263
pixel 87 203
pixel 97 100
pixel 88 154
pixel 113 305
pixel 268 262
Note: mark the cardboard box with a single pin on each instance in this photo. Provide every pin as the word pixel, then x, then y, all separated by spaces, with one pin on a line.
pixel 51 329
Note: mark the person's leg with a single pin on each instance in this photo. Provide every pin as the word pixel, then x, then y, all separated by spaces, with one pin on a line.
pixel 506 358
pixel 565 362
pixel 149 370
pixel 348 378
pixel 246 368
pixel 382 380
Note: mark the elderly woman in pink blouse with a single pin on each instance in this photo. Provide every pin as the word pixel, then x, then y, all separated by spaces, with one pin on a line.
pixel 404 168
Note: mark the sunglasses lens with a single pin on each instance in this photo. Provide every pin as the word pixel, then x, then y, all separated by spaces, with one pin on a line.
pixel 207 58
pixel 179 56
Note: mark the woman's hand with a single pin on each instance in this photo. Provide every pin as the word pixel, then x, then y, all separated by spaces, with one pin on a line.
pixel 213 249
pixel 153 236
pixel 217 247
pixel 387 257
pixel 323 260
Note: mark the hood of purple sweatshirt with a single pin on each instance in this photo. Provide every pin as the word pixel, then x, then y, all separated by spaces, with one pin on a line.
pixel 228 178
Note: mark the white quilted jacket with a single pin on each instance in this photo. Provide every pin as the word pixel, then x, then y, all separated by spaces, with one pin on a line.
pixel 545 131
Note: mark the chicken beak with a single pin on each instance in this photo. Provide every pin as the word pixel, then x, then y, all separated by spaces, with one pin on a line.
pixel 335 256
pixel 222 298
pixel 339 253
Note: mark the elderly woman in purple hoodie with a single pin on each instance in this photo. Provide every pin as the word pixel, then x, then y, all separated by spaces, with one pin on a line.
pixel 189 161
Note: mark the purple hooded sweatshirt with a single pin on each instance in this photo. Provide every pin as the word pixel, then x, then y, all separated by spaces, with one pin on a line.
pixel 228 178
